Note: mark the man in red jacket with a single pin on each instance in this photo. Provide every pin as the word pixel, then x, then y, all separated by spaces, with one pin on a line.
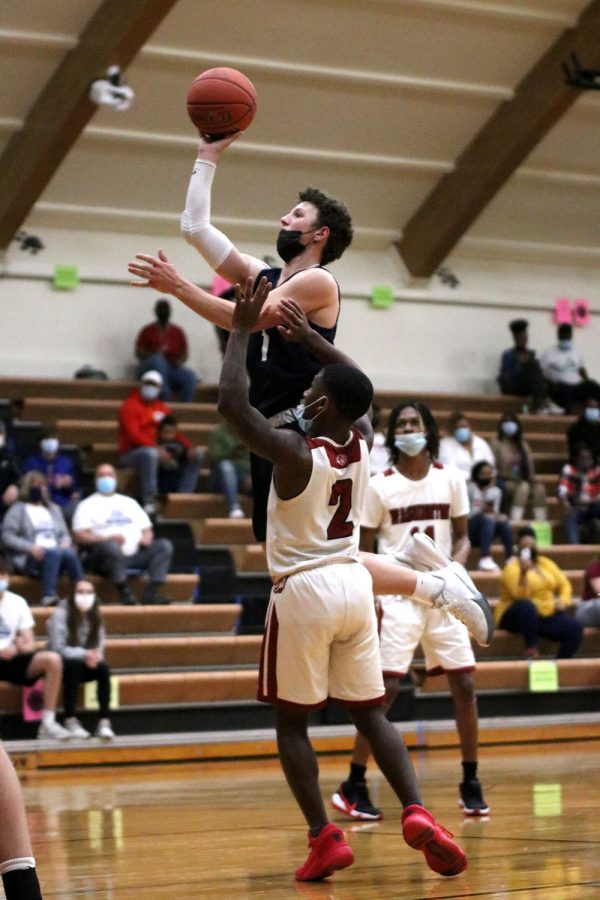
pixel 162 346
pixel 139 418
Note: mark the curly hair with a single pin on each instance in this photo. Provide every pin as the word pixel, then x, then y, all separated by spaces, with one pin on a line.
pixel 430 425
pixel 333 214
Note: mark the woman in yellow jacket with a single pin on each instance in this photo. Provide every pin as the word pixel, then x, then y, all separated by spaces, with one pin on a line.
pixel 534 594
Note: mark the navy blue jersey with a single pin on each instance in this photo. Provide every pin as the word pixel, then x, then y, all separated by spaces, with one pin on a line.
pixel 280 371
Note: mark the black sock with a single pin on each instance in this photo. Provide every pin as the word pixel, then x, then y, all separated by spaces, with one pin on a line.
pixel 22 884
pixel 315 832
pixel 357 773
pixel 469 771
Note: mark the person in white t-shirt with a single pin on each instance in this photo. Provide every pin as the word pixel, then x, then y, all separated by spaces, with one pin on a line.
pixel 417 494
pixel 20 662
pixel 115 534
pixel 462 448
pixel 564 368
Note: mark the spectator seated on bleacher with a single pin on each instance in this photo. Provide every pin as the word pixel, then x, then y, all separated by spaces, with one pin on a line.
pixel 139 417
pixel 20 662
pixel 588 611
pixel 36 537
pixel 579 496
pixel 515 472
pixel 534 597
pixel 60 472
pixel 485 519
pixel 179 473
pixel 76 632
pixel 229 462
pixel 163 347
pixel 586 430
pixel 116 536
pixel 9 473
pixel 520 372
pixel 379 457
pixel 462 448
pixel 565 371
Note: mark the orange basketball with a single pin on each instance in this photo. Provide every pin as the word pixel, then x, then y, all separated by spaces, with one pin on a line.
pixel 221 101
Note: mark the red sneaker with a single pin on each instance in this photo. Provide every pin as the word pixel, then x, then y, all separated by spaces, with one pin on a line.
pixel 328 853
pixel 421 831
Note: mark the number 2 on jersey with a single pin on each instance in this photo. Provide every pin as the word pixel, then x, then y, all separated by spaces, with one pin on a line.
pixel 341 495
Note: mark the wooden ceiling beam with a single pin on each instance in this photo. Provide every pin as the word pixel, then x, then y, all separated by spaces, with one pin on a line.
pixel 507 138
pixel 113 36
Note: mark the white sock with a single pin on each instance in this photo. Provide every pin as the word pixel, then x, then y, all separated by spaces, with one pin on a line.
pixel 48 716
pixel 428 588
pixel 20 862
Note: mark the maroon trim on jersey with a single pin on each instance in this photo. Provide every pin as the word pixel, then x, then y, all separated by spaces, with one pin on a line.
pixel 439 670
pixel 339 457
pixel 420 512
pixel 393 673
pixel 388 472
pixel 437 465
pixel 358 704
pixel 268 658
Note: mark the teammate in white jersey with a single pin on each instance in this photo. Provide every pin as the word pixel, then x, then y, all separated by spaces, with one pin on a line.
pixel 417 494
pixel 321 634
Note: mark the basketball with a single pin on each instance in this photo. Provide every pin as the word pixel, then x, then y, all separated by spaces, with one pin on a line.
pixel 221 101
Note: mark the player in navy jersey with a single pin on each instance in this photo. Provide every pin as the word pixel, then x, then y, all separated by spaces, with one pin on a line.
pixel 321 632
pixel 316 231
pixel 415 493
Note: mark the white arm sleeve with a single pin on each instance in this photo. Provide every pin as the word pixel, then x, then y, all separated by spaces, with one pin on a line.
pixel 211 243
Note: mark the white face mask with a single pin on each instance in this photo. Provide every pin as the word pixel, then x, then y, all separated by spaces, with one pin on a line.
pixel 3 585
pixel 303 421
pixel 150 391
pixel 49 445
pixel 411 444
pixel 84 602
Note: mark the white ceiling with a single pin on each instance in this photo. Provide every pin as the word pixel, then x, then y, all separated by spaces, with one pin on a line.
pixel 372 100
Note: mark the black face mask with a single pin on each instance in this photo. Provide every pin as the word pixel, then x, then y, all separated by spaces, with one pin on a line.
pixel 35 494
pixel 163 317
pixel 289 245
pixel 484 482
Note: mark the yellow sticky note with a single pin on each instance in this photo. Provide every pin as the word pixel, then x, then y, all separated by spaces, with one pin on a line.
pixel 547 799
pixel 543 675
pixel 90 700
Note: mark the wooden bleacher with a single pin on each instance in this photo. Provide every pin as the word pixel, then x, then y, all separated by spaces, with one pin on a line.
pixel 189 655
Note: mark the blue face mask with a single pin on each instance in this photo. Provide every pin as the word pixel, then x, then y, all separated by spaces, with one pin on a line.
pixel 565 344
pixel 462 434
pixel 3 585
pixel 509 428
pixel 411 444
pixel 106 484
pixel 149 391
pixel 304 423
pixel 592 414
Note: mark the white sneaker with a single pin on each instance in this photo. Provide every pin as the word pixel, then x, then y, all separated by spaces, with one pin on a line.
pixel 104 731
pixel 76 729
pixel 53 731
pixel 237 513
pixel 487 564
pixel 458 594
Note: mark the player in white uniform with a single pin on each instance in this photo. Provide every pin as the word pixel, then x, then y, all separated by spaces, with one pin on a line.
pixel 321 633
pixel 413 494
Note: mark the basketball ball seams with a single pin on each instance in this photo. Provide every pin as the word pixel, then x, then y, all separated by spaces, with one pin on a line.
pixel 221 101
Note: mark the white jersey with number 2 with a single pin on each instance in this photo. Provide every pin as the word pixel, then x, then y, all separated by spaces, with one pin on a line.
pixel 320 525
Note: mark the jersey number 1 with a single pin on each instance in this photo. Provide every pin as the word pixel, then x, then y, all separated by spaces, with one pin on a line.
pixel 341 496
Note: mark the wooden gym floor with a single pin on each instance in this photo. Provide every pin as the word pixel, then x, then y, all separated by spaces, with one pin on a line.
pixel 230 830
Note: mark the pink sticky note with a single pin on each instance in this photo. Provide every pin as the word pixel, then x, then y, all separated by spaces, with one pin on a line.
pixel 581 313
pixel 562 311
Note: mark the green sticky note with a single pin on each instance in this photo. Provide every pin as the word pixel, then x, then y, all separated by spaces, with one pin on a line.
pixel 547 800
pixel 543 675
pixel 382 296
pixel 543 533
pixel 66 278
pixel 90 700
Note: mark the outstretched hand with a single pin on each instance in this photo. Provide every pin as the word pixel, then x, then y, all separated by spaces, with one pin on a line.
pixel 295 327
pixel 249 304
pixel 210 148
pixel 158 273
